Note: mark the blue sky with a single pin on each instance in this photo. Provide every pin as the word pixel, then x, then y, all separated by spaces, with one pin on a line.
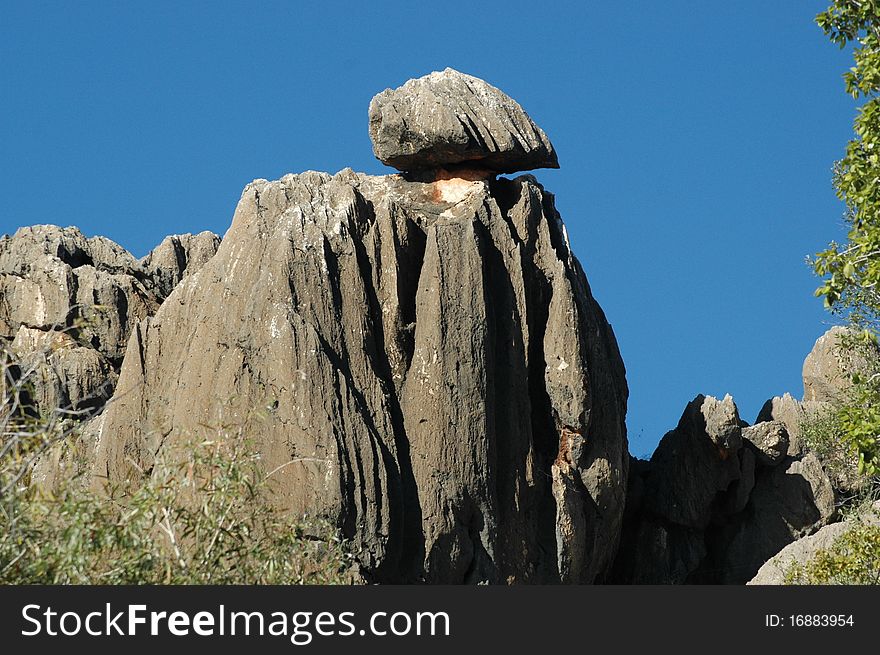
pixel 695 138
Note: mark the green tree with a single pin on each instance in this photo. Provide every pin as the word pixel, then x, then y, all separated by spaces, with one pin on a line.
pixel 851 271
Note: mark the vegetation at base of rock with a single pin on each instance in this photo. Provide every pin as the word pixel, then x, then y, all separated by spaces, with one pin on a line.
pixel 825 432
pixel 853 559
pixel 194 521
pixel 851 271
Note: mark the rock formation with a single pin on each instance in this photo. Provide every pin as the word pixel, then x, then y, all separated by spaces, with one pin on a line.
pixel 717 500
pixel 827 375
pixel 417 356
pixel 177 256
pixel 803 550
pixel 705 509
pixel 769 441
pixel 68 305
pixel 449 118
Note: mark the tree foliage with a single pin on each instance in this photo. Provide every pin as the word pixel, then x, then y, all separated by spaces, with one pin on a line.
pixel 851 271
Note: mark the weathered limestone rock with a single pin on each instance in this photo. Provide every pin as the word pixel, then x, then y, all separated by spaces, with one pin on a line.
pixel 178 255
pixel 60 374
pixel 696 472
pixel 54 278
pixel 741 491
pixel 789 501
pixel 827 375
pixel 68 305
pixel 450 118
pixel 806 548
pixel 769 440
pixel 791 413
pixel 707 510
pixel 828 367
pixel 431 369
pixel 695 462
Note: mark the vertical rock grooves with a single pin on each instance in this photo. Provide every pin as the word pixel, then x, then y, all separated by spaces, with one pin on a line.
pixel 422 361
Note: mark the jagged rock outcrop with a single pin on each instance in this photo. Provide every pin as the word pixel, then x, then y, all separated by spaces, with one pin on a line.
pixel 448 118
pixel 61 373
pixel 691 518
pixel 695 462
pixel 178 255
pixel 717 500
pixel 827 375
pixel 68 305
pixel 437 375
pixel 54 278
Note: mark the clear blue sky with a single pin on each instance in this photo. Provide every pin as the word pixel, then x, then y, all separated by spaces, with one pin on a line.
pixel 695 138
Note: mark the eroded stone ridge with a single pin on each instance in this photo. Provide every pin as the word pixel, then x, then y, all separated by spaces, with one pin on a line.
pixel 717 500
pixel 69 303
pixel 448 118
pixel 429 368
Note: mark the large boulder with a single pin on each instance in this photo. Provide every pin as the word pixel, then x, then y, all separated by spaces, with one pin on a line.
pixel 769 440
pixel 803 550
pixel 828 367
pixel 449 118
pixel 421 361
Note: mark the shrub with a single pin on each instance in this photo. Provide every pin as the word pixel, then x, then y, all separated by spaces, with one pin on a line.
pixel 843 433
pixel 853 559
pixel 203 519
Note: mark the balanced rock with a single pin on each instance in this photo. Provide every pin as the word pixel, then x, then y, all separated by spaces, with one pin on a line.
pixel 448 118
